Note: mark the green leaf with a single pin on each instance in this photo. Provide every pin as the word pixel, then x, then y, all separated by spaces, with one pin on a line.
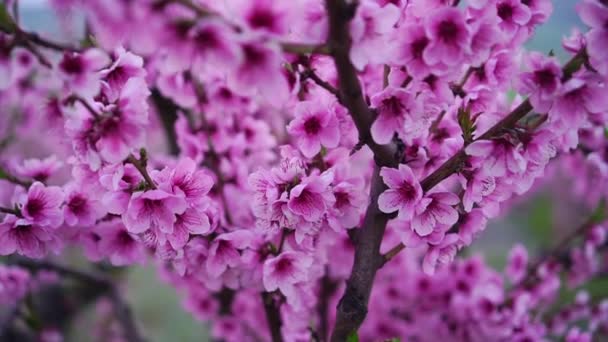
pixel 599 214
pixel 467 124
pixel 353 337
pixel 7 24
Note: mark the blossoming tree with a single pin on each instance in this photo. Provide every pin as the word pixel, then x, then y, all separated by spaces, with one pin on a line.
pixel 301 170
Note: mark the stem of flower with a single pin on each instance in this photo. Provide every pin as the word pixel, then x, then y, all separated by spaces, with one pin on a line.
pixel 140 165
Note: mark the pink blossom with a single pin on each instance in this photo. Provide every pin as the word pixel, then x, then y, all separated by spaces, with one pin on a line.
pixel 41 206
pixel 185 180
pixel 541 82
pixel 449 37
pixel 513 15
pixel 80 71
pixel 30 240
pixel 369 31
pixel 433 210
pixel 224 251
pixel 286 270
pixel 500 156
pixel 15 283
pixel 411 44
pixel 153 209
pixel 193 221
pixel 311 198
pixel 517 263
pixel 314 126
pixel 119 245
pixel 404 191
pixel 397 113
pixel 39 169
pixel 80 208
pixel 440 255
pixel 595 14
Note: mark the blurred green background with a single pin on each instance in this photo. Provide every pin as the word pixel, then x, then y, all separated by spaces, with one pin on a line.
pixel 534 221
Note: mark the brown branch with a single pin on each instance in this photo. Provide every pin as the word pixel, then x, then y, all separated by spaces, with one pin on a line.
pixel 13 179
pixel 273 316
pixel 352 307
pixel 121 308
pixel 11 211
pixel 453 164
pixel 140 165
pixel 167 113
pixel 309 73
pixel 328 287
pixel 304 49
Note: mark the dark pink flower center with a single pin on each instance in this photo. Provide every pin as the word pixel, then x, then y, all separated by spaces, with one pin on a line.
pixel 418 47
pixel 393 106
pixel 505 11
pixel 283 266
pixel 312 126
pixel 342 199
pixel 407 191
pixel 448 31
pixel 124 238
pixel 262 18
pixel 77 204
pixel 206 39
pixel 253 55
pixel 72 64
pixel 34 206
pixel 545 78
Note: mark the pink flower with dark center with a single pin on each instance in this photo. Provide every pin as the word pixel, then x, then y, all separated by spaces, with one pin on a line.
pixel 314 126
pixel 513 14
pixel 369 31
pixel 185 180
pixel 581 95
pixel 449 37
pixel 224 251
pixel 595 15
pixel 30 240
pixel 286 270
pixel 396 110
pixel 153 209
pixel 403 193
pixel 39 169
pixel 193 221
pixel 517 263
pixel 41 206
pixel 499 156
pixel 80 71
pixel 124 129
pixel 440 255
pixel 213 44
pixel 541 82
pixel 268 16
pixel 434 210
pixel 15 283
pixel 119 245
pixel 125 66
pixel 411 44
pixel 312 197
pixel 260 71
pixel 80 208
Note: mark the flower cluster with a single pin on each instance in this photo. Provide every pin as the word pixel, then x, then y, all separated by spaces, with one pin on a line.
pixel 270 157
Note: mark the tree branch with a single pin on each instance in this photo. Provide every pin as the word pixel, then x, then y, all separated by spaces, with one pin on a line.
pixel 122 310
pixel 273 316
pixel 352 307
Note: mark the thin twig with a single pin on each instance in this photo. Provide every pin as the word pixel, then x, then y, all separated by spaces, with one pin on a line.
pixel 13 179
pixel 309 73
pixel 140 165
